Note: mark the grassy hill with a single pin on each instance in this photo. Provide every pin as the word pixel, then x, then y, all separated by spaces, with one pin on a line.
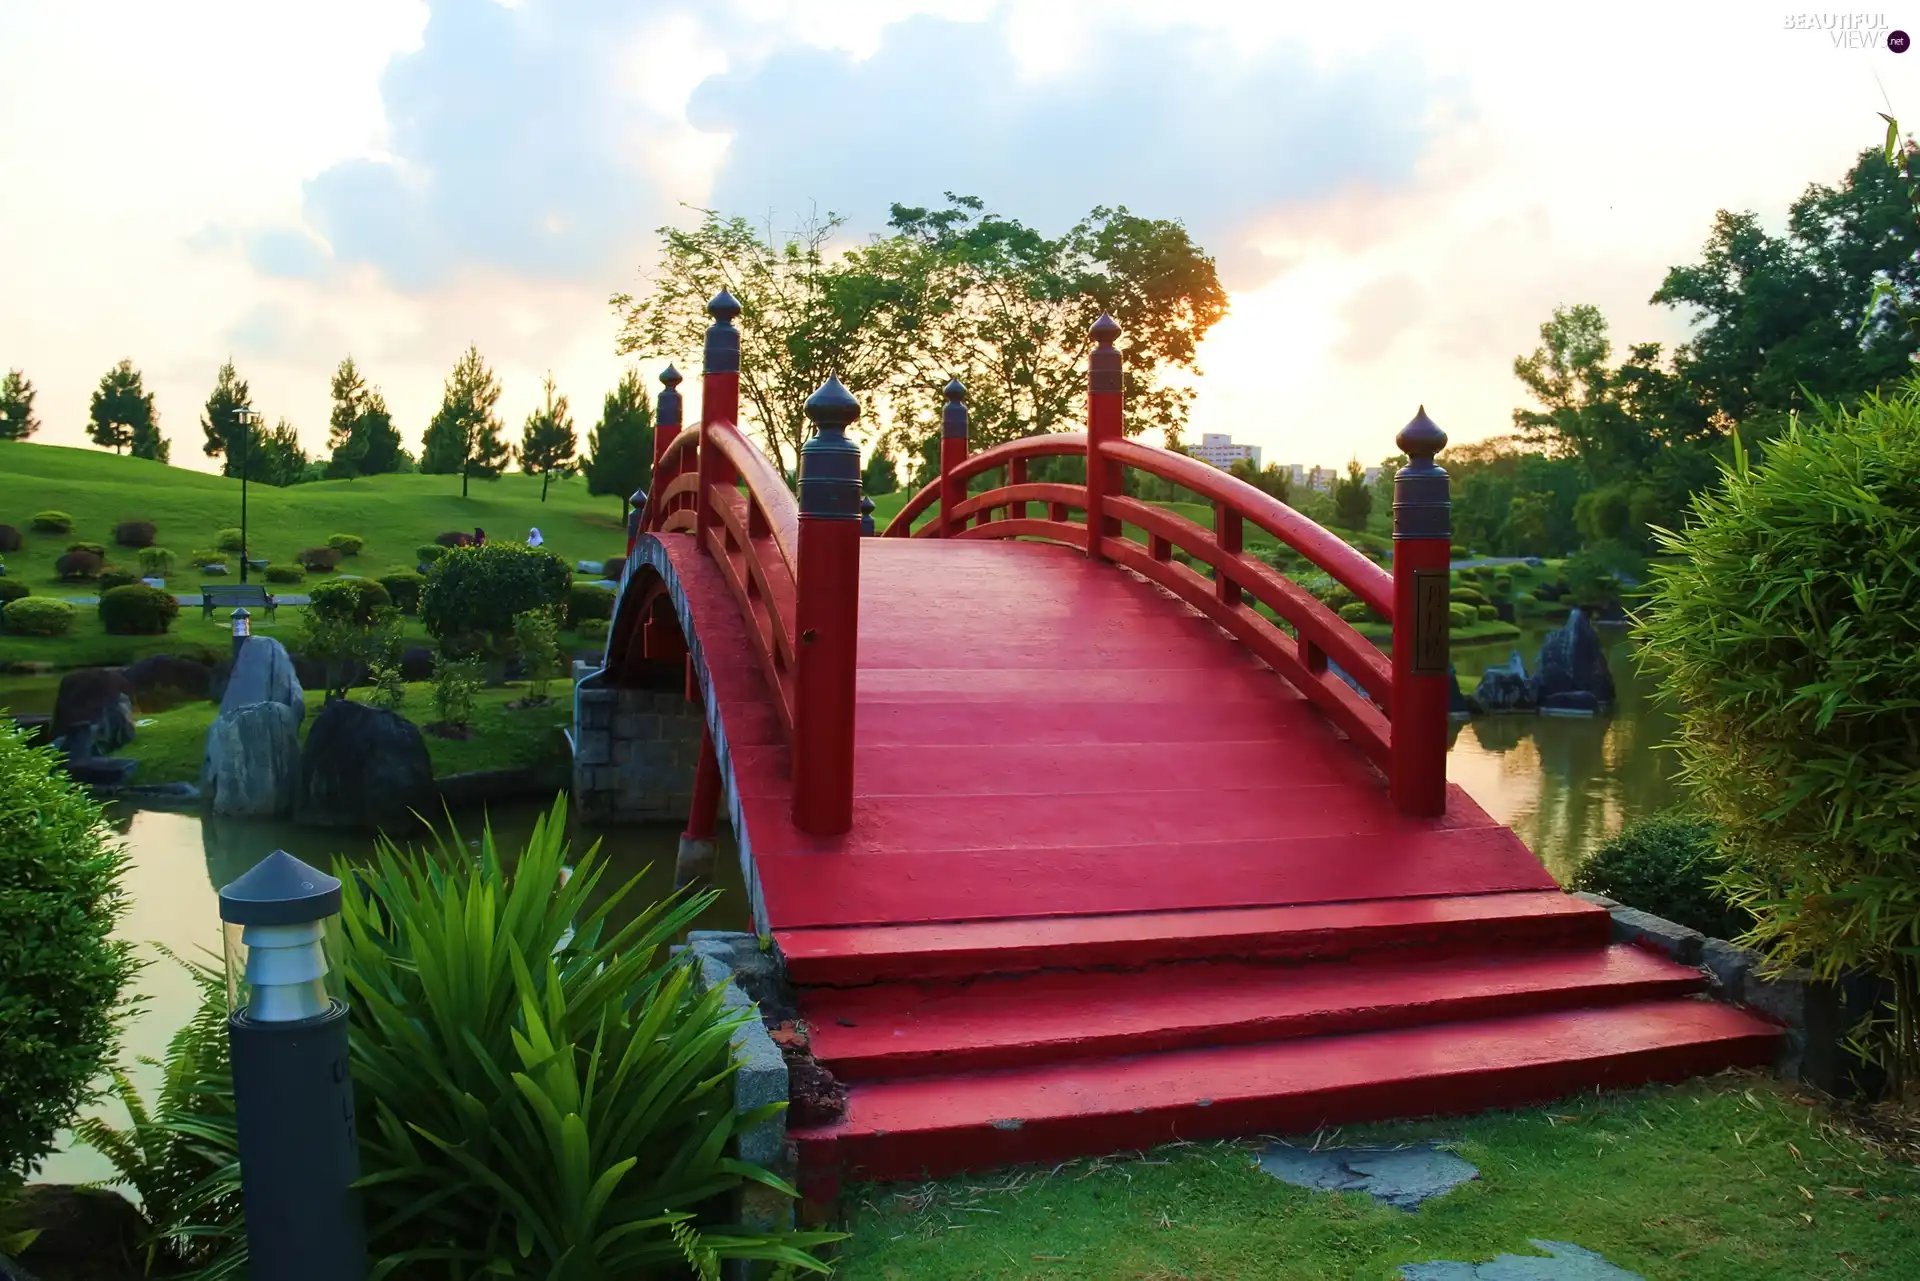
pixel 394 514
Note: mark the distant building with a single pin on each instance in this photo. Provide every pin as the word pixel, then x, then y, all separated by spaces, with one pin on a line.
pixel 1218 448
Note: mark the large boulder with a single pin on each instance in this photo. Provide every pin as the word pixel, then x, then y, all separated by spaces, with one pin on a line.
pixel 164 674
pixel 252 766
pixel 1572 661
pixel 264 674
pixel 1506 688
pixel 364 767
pixel 95 695
pixel 80 1232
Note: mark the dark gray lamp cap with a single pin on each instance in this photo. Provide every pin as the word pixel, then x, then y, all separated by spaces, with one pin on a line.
pixel 280 890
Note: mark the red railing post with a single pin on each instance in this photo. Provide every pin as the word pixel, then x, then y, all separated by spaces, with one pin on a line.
pixel 1103 424
pixel 953 452
pixel 1422 554
pixel 719 403
pixel 827 609
pixel 666 425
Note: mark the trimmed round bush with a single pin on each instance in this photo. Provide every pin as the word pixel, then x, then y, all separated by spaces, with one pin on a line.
pixel 112 578
pixel 595 629
pixel 615 567
pixel 155 562
pixel 207 557
pixel 1459 551
pixel 1487 613
pixel 135 533
pixel 1356 612
pixel 404 590
pixel 480 589
pixel 1485 573
pixel 588 600
pixel 286 574
pixel 318 560
pixel 1462 615
pixel 64 971
pixel 51 522
pixel 38 616
pixel 346 544
pixel 9 539
pixel 358 601
pixel 1466 596
pixel 12 589
pixel 230 541
pixel 1666 865
pixel 137 610
pixel 428 553
pixel 78 565
pixel 97 549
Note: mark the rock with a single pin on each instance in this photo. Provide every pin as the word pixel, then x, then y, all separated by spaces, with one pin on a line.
pixel 593 567
pixel 39 727
pixel 164 673
pixel 252 766
pixel 101 771
pixel 416 663
pixel 1399 1177
pixel 1573 702
pixel 1503 609
pixel 1630 925
pixel 84 1232
pixel 94 694
pixel 1730 967
pixel 264 674
pixel 364 767
pixel 214 571
pixel 1506 688
pixel 1572 660
pixel 1564 1262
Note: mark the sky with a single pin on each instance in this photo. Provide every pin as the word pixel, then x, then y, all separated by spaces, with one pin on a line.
pixel 1397 195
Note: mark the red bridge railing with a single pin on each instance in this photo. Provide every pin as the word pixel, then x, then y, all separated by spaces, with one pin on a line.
pixel 1399 719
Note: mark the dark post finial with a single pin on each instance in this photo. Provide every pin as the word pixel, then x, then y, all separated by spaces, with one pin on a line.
pixel 1422 505
pixel 829 462
pixel 866 516
pixel 1422 438
pixel 723 340
pixel 1103 367
pixel 953 417
pixel 669 410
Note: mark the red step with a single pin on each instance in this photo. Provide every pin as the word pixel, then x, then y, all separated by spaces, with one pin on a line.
pixel 851 955
pixel 930 1127
pixel 908 1029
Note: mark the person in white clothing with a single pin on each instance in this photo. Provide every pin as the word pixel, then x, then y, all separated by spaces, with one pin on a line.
pixel 533 537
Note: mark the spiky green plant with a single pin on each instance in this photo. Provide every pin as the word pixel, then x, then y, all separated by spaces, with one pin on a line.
pixel 534 1102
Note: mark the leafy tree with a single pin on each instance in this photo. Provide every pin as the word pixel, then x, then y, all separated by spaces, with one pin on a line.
pixel 16 407
pixel 1273 479
pixel 1352 498
pixel 277 458
pixel 464 436
pixel 547 442
pixel 360 432
pixel 226 435
pixel 619 456
pixel 878 477
pixel 122 417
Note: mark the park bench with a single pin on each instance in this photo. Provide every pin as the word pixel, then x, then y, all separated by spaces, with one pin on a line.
pixel 233 596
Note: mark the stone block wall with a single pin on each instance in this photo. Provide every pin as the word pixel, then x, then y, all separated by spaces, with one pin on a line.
pixel 634 752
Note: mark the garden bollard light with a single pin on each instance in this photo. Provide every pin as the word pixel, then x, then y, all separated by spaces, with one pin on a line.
pixel 292 1094
pixel 242 628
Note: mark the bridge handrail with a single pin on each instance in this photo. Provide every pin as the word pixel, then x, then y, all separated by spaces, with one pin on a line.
pixel 766 490
pixel 1059 444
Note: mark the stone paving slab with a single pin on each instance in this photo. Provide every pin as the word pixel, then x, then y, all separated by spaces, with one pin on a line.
pixel 1401 1177
pixel 1565 1263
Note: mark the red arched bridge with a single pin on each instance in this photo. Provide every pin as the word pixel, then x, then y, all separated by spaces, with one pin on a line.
pixel 1070 847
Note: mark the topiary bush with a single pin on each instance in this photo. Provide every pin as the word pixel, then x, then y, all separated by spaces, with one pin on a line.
pixel 10 540
pixel 135 533
pixel 96 548
pixel 360 602
pixel 62 973
pixel 1356 612
pixel 346 544
pixel 428 553
pixel 286 574
pixel 155 562
pixel 318 560
pixel 480 589
pixel 137 610
pixel 1486 613
pixel 1667 865
pixel 51 522
pixel 38 616
pixel 588 600
pixel 404 589
pixel 230 541
pixel 615 568
pixel 12 589
pixel 112 578
pixel 1781 634
pixel 595 629
pixel 74 566
pixel 1462 616
pixel 1466 596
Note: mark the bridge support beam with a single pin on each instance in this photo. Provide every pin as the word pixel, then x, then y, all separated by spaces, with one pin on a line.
pixel 694 860
pixel 1422 556
pixel 635 755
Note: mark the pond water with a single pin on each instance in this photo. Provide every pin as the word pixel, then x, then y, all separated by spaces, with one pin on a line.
pixel 1564 784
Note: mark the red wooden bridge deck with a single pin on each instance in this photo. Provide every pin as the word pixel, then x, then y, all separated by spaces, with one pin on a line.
pixel 1069 853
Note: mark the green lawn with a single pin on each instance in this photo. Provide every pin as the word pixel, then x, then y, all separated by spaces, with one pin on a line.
pixel 170 749
pixel 1731 1179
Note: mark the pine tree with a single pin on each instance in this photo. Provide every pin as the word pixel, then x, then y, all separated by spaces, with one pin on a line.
pixel 121 416
pixel 1352 498
pixel 226 435
pixel 878 477
pixel 464 436
pixel 16 407
pixel 620 447
pixel 276 458
pixel 344 438
pixel 547 442
pixel 381 453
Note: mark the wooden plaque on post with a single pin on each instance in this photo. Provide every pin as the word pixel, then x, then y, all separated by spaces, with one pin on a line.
pixel 1430 621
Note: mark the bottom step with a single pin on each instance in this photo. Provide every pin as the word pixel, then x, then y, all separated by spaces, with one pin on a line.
pixel 930 1127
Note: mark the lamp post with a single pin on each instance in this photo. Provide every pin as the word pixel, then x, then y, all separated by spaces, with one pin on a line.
pixel 292 1095
pixel 245 418
pixel 242 628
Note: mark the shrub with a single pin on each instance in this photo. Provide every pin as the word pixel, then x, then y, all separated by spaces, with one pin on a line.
pixel 1503 584
pixel 595 629
pixel 1460 551
pixel 464 976
pixel 286 574
pixel 1782 636
pixel 230 541
pixel 538 634
pixel 155 562
pixel 134 533
pixel 1485 573
pixel 455 682
pixel 1461 615
pixel 1486 613
pixel 454 538
pixel 1466 596
pixel 10 540
pixel 403 589
pixel 615 567
pixel 389 684
pixel 201 559
pixel 318 560
pixel 481 589
pixel 64 971
pixel 350 625
pixel 588 600
pixel 346 544
pixel 1356 612
pixel 361 602
pixel 1666 865
pixel 96 548
pixel 112 578
pixel 137 610
pixel 12 589
pixel 38 616
pixel 52 523
pixel 78 565
pixel 428 553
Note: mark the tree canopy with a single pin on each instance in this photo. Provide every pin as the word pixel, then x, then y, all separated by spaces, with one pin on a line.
pixel 16 407
pixel 360 431
pixel 547 441
pixel 464 436
pixel 620 447
pixel 121 416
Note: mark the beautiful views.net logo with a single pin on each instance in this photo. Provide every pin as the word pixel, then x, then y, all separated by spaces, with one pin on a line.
pixel 1853 30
